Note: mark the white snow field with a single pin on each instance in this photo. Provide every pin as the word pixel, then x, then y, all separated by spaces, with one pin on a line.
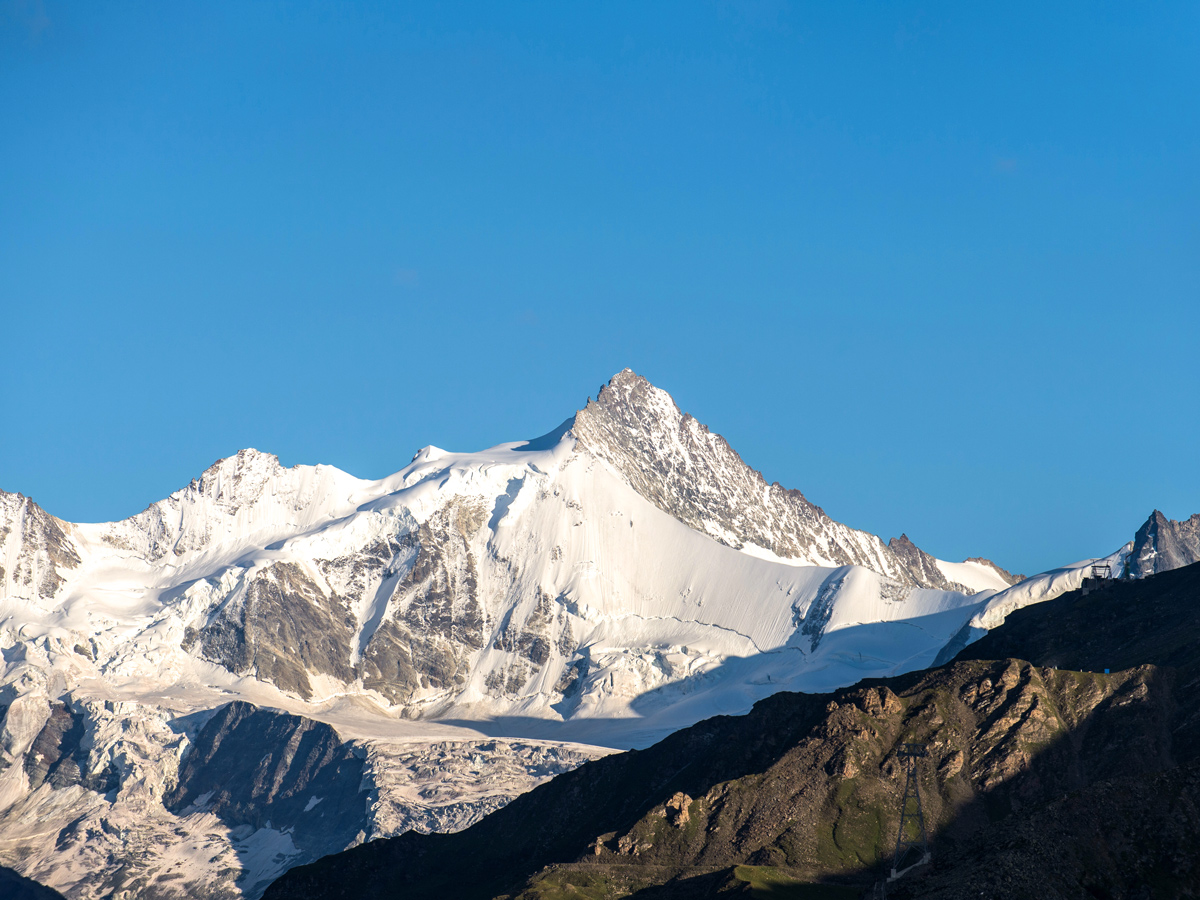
pixel 471 626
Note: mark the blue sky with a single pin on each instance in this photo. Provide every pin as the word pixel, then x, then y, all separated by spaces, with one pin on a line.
pixel 935 265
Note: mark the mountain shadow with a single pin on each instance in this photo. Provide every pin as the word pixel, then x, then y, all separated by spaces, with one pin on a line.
pixel 14 886
pixel 1026 762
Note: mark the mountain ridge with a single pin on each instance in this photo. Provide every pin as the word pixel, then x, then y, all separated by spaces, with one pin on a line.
pixel 670 458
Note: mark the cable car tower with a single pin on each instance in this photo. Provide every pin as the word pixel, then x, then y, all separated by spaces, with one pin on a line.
pixel 912 843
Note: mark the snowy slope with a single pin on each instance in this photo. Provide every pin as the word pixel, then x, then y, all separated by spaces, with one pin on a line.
pixel 978 576
pixel 473 583
pixel 468 626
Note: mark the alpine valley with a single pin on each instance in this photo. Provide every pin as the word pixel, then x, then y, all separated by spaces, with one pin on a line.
pixel 275 664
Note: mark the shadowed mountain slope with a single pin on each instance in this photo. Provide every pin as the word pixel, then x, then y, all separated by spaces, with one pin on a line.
pixel 1130 837
pixel 807 786
pixel 1154 620
pixel 16 887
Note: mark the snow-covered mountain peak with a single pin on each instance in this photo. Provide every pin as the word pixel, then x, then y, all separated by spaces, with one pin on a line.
pixel 428 453
pixel 238 480
pixel 633 400
pixel 248 499
pixel 692 474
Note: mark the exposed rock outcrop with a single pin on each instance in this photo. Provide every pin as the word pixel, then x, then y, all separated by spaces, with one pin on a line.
pixel 1162 544
pixel 59 755
pixel 434 619
pixel 258 767
pixel 283 627
pixel 36 549
pixel 921 567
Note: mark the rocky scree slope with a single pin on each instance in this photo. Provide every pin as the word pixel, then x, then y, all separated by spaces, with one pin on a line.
pixel 808 786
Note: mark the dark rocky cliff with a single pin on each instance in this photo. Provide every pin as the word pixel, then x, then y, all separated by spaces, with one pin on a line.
pixel 1162 544
pixel 259 767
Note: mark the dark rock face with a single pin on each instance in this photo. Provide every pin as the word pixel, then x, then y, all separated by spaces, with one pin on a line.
pixel 1133 839
pixel 690 473
pixel 819 612
pixel 1126 837
pixel 285 627
pixel 1162 544
pixel 435 620
pixel 533 635
pixel 424 588
pixel 258 767
pixel 1083 762
pixel 532 638
pixel 368 572
pixel 59 754
pixel 1128 623
pixel 44 548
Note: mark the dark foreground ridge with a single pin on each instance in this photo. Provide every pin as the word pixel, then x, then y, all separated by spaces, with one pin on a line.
pixel 1042 780
pixel 16 887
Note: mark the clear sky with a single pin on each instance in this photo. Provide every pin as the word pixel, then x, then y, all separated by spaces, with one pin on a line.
pixel 936 265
